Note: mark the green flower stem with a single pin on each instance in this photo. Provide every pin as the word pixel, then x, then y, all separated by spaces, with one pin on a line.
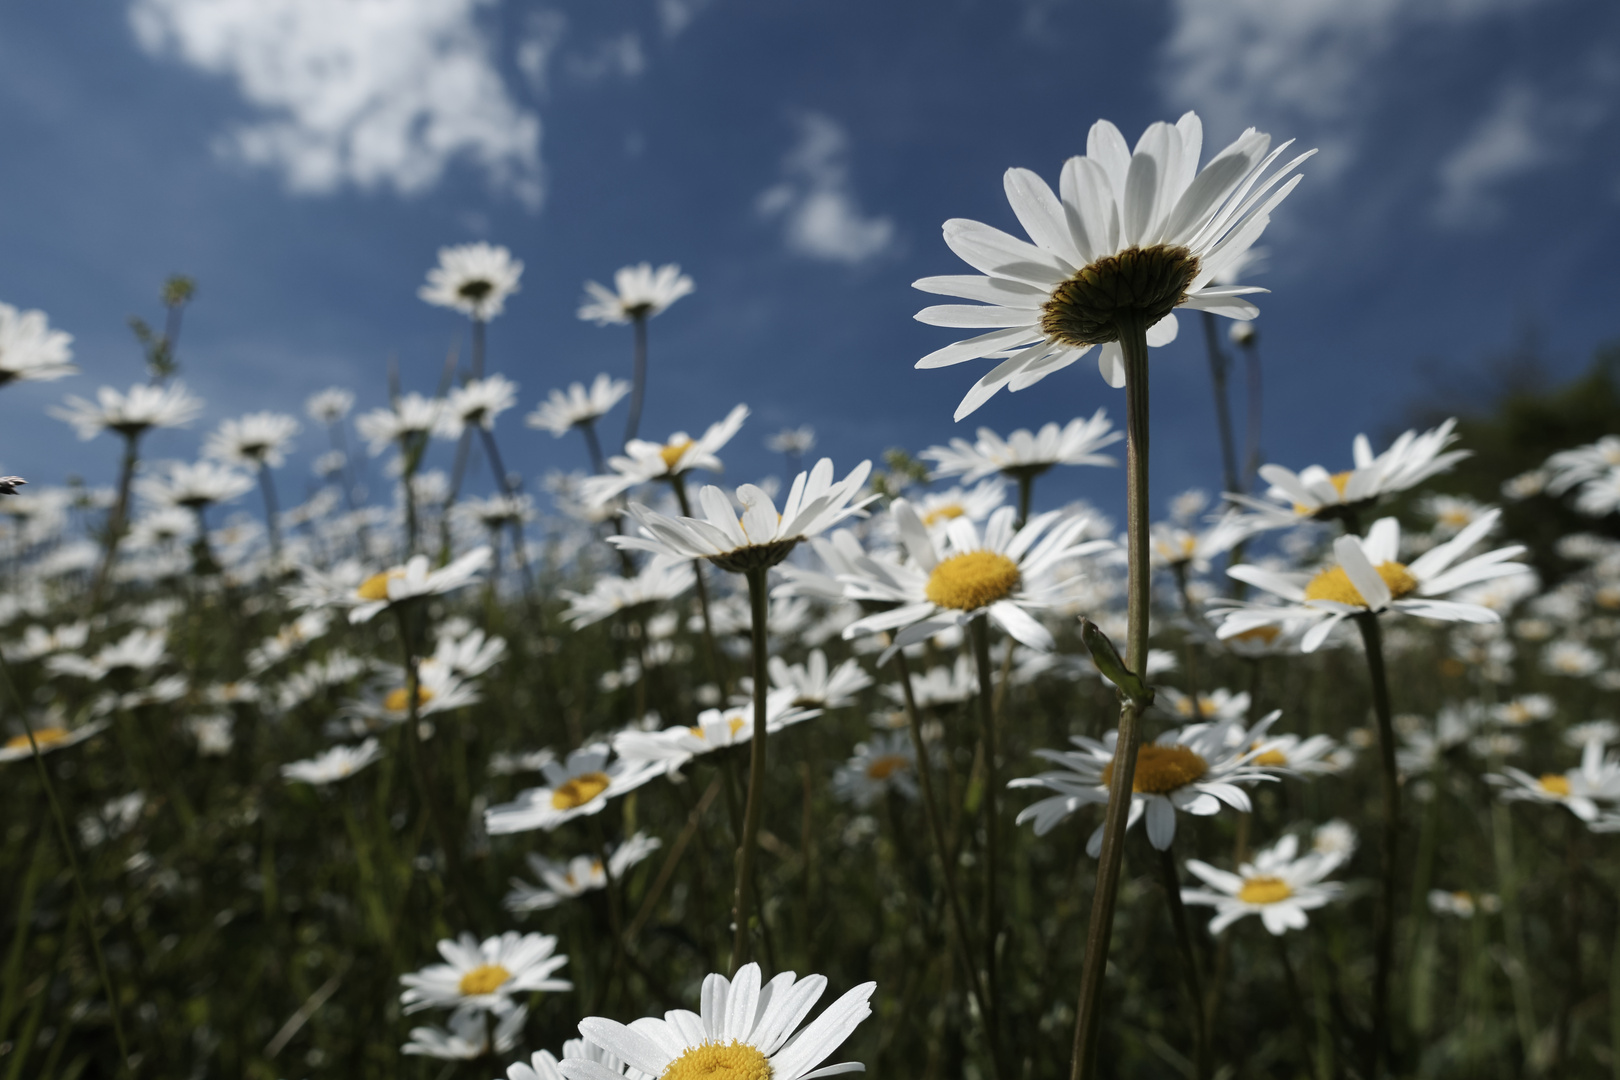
pixel 936 831
pixel 1372 640
pixel 1219 364
pixel 478 347
pixel 272 509
pixel 1191 965
pixel 117 521
pixel 1133 340
pixel 638 386
pixel 716 666
pixel 498 467
pixel 671 861
pixel 979 631
pixel 759 602
pixel 593 445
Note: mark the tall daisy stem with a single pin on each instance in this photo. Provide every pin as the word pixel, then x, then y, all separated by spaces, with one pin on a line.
pixel 1189 960
pixel 979 629
pixel 1133 341
pixel 936 830
pixel 759 602
pixel 715 667
pixel 272 509
pixel 1372 639
pixel 1219 366
pixel 593 445
pixel 117 520
pixel 638 386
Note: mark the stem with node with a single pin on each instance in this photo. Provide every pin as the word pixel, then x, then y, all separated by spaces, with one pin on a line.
pixel 979 630
pixel 1372 640
pixel 759 601
pixel 1133 341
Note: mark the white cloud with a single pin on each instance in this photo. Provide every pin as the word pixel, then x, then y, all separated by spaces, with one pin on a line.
pixel 677 15
pixel 616 57
pixel 1506 143
pixel 370 93
pixel 543 31
pixel 821 218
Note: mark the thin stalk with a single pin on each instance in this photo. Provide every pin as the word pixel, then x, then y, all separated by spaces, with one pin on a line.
pixel 1251 440
pixel 593 444
pixel 478 347
pixel 515 523
pixel 665 872
pixel 638 385
pixel 272 509
pixel 1507 884
pixel 1133 340
pixel 1384 931
pixel 1218 366
pixel 1190 962
pixel 1296 1000
pixel 1614 1005
pixel 715 667
pixel 1026 494
pixel 979 629
pixel 936 830
pixel 66 840
pixel 117 520
pixel 759 602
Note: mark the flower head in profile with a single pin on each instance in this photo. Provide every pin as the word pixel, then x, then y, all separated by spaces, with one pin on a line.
pixel 1024 453
pixel 468 1037
pixel 669 750
pixel 1579 790
pixel 194 485
pixel 1368 578
pixel 338 763
pixel 52 735
pixel 543 1065
pixel 410 414
pixel 396 585
pixel 1280 886
pixel 261 438
pixel 131 414
pixel 761 537
pixel 639 292
pixel 564 410
pixel 561 881
pixel 30 349
pixel 816 687
pixel 580 786
pixel 474 279
pixel 478 403
pixel 886 762
pixel 330 405
pixel 1004 573
pixel 659 581
pixel 643 461
pixel 485 975
pixel 745 1030
pixel 1131 235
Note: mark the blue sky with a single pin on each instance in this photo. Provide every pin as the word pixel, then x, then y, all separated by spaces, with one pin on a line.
pixel 304 159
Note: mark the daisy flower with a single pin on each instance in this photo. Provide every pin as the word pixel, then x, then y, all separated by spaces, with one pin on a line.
pixel 412 581
pixel 643 462
pixel 1462 904
pixel 1336 837
pixel 30 349
pixel 1317 755
pixel 478 403
pixel 1221 704
pixel 1524 709
pixel 130 414
pixel 560 881
pixel 578 787
pixel 474 279
pixel 1193 770
pixel 659 581
pixel 330 405
pixel 438 689
pixel 1573 658
pixel 1175 546
pixel 887 762
pixel 409 414
pixel 468 1037
pixel 1452 513
pixel 485 976
pixel 814 686
pixel 762 537
pixel 1579 790
pixel 564 410
pixel 795 442
pixel 744 1029
pixel 1316 494
pixel 1280 886
pixel 51 736
pixel 338 763
pixel 1143 231
pixel 195 485
pixel 939 508
pixel 1567 468
pixel 261 438
pixel 940 686
pixel 1601 732
pixel 639 292
pixel 1369 579
pixel 1024 453
pixel 1003 574
pixel 669 750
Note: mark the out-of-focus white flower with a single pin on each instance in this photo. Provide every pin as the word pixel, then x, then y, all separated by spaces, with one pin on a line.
pixel 639 292
pixel 884 763
pixel 659 581
pixel 485 975
pixel 581 786
pixel 30 349
pixel 795 441
pixel 130 414
pixel 194 485
pixel 474 279
pixel 1024 453
pixel 478 403
pixel 1279 885
pixel 260 438
pixel 1461 904
pixel 813 686
pixel 643 461
pixel 1579 790
pixel 330 405
pixel 468 1037
pixel 410 414
pixel 338 763
pixel 564 410
pixel 560 881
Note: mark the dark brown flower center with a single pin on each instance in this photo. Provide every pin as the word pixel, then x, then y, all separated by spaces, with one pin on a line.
pixel 1146 283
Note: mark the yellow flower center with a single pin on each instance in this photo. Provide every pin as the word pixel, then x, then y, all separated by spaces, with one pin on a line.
pixel 578 790
pixel 717 1061
pixel 944 513
pixel 483 979
pixel 1161 769
pixel 972 580
pixel 887 766
pixel 397 700
pixel 672 452
pixel 1273 757
pixel 1335 585
pixel 1264 890
pixel 1555 784
pixel 1339 480
pixel 375 587
pixel 1265 635
pixel 43 738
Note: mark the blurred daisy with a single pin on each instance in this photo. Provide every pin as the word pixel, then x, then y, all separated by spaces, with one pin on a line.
pixel 762 537
pixel 661 580
pixel 544 1065
pixel 1601 732
pixel 563 411
pixel 1524 709
pixel 1568 468
pixel 474 279
pixel 485 976
pixel 669 750
pixel 1573 658
pixel 30 349
pixel 885 763
pixel 1452 514
pixel 1368 578
pixel 580 786
pixel 1143 231
pixel 1317 755
pixel 1336 837
pixel 478 403
pixel 745 1030
pixel 1024 454
pixel 1280 886
pixel 50 736
pixel 1462 905
pixel 940 686
pixel 815 687
pixel 639 292
pixel 643 462
pixel 1221 704
pixel 560 881
pixel 939 508
pixel 794 442
pixel 1194 770
pixel 1004 574
pixel 468 652
pixel 338 763
pixel 438 690
pixel 468 1037
pixel 412 581
pixel 330 405
pixel 194 485
pixel 261 438
pixel 1579 790
pixel 130 414
pixel 1172 545
pixel 408 415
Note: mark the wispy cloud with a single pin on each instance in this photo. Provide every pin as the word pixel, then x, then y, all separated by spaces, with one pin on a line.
pixel 821 218
pixel 368 93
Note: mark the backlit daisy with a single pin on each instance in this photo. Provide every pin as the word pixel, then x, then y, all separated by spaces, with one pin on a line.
pixel 412 581
pixel 409 415
pixel 30 349
pixel 815 687
pixel 260 438
pixel 478 403
pixel 659 581
pixel 544 1065
pixel 1025 454
pixel 1279 885
pixel 564 410
pixel 560 881
pixel 1143 231
pixel 338 763
pixel 643 462
pixel 639 292
pixel 485 976
pixel 744 1030
pixel 939 508
pixel 474 279
pixel 330 405
pixel 580 786
pixel 1579 790
pixel 194 485
pixel 144 407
